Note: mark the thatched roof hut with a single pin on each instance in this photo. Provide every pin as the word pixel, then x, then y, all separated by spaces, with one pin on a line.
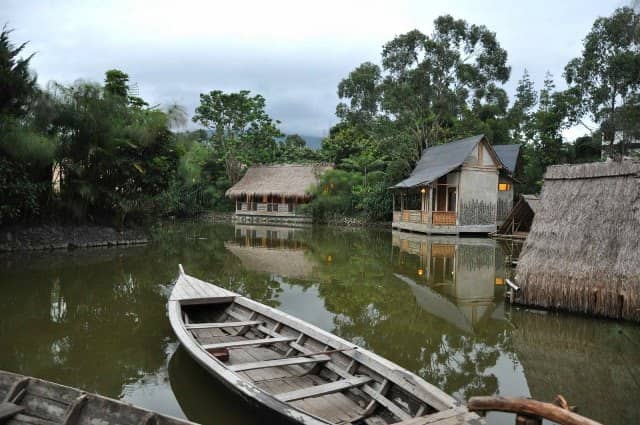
pixel 582 253
pixel 285 180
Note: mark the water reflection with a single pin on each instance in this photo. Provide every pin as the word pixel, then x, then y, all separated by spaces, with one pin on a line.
pixel 96 318
pixel 452 278
pixel 275 250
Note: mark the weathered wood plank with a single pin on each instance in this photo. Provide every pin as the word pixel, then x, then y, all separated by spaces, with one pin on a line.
pixel 223 324
pixel 8 410
pixel 390 405
pixel 247 342
pixel 17 390
pixel 278 363
pixel 411 383
pixel 331 387
pixel 74 410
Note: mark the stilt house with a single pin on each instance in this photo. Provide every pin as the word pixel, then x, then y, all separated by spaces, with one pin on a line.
pixel 458 187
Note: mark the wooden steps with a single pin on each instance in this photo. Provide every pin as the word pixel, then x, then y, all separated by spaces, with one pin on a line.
pixel 278 363
pixel 320 390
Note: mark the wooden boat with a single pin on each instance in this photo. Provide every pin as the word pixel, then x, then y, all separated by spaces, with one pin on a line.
pixel 32 401
pixel 302 372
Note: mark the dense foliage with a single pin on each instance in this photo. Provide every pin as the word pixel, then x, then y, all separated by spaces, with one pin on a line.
pixel 99 152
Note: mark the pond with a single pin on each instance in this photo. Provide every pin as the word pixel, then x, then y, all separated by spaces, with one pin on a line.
pixel 96 318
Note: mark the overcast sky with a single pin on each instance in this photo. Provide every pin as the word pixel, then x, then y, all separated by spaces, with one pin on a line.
pixel 294 53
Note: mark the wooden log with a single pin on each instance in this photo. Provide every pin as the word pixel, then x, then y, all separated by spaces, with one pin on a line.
pixel 528 407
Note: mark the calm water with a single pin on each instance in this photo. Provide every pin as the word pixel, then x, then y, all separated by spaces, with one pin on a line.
pixel 95 319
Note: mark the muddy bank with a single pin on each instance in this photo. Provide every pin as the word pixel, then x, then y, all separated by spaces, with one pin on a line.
pixel 46 237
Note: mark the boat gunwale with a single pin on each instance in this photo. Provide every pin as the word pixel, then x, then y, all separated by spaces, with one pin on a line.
pixel 232 379
pixel 395 374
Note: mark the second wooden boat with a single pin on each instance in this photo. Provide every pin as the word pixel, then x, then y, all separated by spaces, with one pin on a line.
pixel 298 370
pixel 31 401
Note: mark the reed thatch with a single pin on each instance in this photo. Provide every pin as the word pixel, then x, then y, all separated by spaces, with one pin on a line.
pixel 286 180
pixel 582 253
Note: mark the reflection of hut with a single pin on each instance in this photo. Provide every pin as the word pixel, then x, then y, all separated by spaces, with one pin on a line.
pixel 274 192
pixel 582 252
pixel 518 223
pixel 450 277
pixel 273 250
pixel 581 359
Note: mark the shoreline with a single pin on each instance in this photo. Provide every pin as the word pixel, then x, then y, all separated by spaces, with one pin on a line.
pixel 46 237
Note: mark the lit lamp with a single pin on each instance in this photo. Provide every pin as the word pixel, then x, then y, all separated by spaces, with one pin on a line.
pixel 423 190
pixel 499 281
pixel 420 272
pixel 329 258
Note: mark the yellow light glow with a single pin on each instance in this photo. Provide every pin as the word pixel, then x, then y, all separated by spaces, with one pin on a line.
pixel 329 258
pixel 499 281
pixel 503 187
pixel 420 272
pixel 423 190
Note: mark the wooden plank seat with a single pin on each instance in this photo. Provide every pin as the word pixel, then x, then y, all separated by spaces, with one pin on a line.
pixel 247 343
pixel 223 325
pixel 320 390
pixel 278 363
pixel 8 410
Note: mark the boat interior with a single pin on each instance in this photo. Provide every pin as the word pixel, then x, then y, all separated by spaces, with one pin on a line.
pixel 315 376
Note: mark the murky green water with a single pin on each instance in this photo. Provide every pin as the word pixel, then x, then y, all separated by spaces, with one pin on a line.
pixel 96 319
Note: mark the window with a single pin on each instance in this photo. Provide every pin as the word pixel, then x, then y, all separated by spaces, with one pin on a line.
pixel 504 187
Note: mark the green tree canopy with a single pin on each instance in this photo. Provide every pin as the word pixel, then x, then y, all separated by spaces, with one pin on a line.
pixel 242 132
pixel 604 82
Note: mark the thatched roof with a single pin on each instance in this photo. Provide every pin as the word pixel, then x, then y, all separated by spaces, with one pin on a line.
pixel 290 180
pixel 440 160
pixel 582 252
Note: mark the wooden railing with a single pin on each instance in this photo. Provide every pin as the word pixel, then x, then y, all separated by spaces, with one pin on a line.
pixel 443 218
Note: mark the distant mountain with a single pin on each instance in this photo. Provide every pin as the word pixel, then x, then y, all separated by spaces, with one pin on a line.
pixel 314 142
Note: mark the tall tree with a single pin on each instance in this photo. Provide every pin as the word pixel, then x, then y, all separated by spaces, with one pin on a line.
pixel 17 83
pixel 604 82
pixel 522 111
pixel 428 81
pixel 242 132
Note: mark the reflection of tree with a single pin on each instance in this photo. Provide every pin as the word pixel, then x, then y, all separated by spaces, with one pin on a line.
pixel 593 364
pixel 377 310
pixel 73 318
